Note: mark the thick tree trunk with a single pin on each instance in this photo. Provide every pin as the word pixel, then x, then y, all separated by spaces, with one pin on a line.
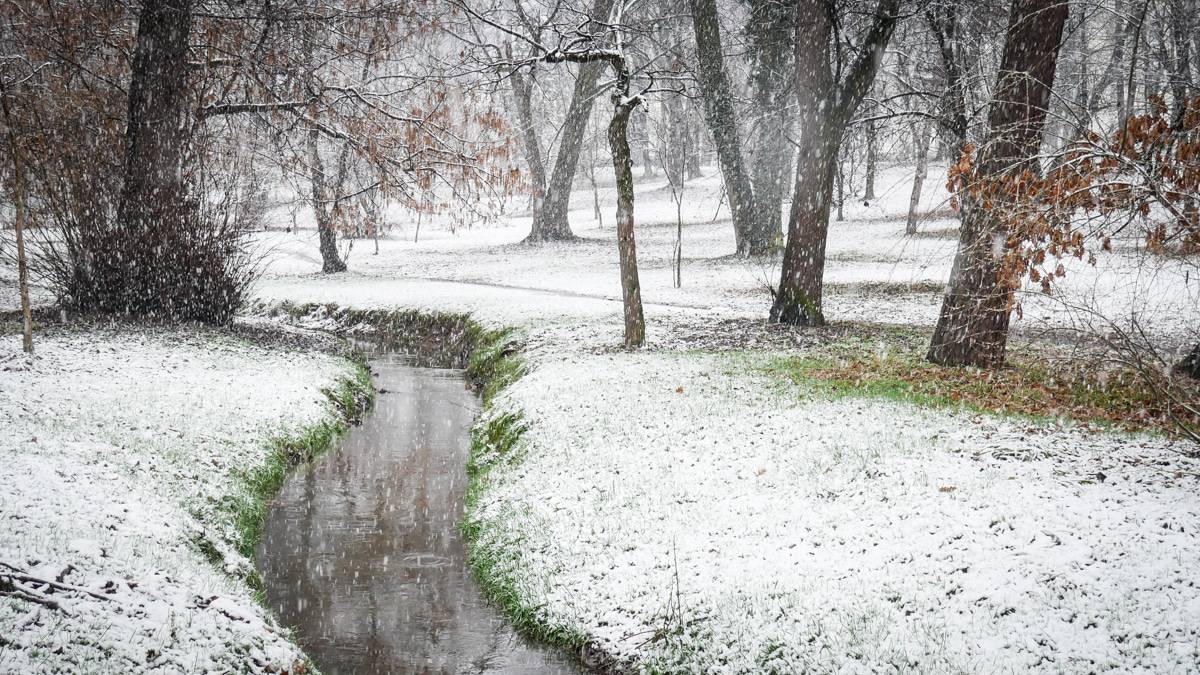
pixel 798 298
pixel 922 137
pixel 553 224
pixel 631 290
pixel 722 124
pixel 973 326
pixel 769 31
pixel 154 210
pixel 823 111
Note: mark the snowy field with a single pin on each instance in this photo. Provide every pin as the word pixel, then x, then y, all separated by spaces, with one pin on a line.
pixel 696 518
pixel 120 448
pixel 874 271
pixel 688 514
pixel 677 507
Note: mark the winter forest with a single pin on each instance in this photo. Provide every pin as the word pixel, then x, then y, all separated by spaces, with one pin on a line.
pixel 616 336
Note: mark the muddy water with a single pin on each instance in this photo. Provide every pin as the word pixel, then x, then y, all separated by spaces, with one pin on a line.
pixel 361 552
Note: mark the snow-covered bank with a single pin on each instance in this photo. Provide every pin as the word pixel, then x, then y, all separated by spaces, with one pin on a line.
pixel 125 455
pixel 692 516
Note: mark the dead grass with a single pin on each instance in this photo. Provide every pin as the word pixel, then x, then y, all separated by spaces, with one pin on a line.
pixel 1031 385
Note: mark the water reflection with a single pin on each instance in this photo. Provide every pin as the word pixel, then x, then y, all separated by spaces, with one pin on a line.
pixel 361 551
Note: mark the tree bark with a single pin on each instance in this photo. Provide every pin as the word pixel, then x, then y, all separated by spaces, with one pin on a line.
pixel 153 207
pixel 722 124
pixel 824 108
pixel 769 31
pixel 331 261
pixel 972 328
pixel 18 168
pixel 872 161
pixel 1190 365
pixel 944 24
pixel 522 87
pixel 553 224
pixel 922 137
pixel 631 290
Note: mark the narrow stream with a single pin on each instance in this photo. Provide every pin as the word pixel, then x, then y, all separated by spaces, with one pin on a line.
pixel 361 552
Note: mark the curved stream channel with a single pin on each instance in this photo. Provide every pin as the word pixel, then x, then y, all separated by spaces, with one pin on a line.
pixel 361 551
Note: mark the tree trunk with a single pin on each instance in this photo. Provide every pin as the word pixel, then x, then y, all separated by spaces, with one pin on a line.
pixel 943 22
pixel 722 123
pixel 769 32
pixel 153 210
pixel 922 137
pixel 631 291
pixel 872 161
pixel 841 186
pixel 331 261
pixel 973 326
pixel 553 224
pixel 19 226
pixel 674 156
pixel 1180 69
pixel 694 147
pixel 522 87
pixel 1190 365
pixel 824 108
pixel 798 299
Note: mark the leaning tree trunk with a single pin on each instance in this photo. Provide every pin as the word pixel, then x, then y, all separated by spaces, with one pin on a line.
pixel 922 137
pixel 722 124
pixel 973 326
pixel 551 223
pixel 798 298
pixel 144 270
pixel 631 291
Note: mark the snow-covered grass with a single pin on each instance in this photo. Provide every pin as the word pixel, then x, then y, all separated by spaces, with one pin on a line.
pixel 874 271
pixel 689 515
pixel 132 464
pixel 683 510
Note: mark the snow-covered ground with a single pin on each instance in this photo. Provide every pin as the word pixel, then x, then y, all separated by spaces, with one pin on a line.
pixel 686 512
pixel 874 271
pixel 119 448
pixel 681 508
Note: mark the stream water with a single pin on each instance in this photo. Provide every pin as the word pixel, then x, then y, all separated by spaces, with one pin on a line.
pixel 361 552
